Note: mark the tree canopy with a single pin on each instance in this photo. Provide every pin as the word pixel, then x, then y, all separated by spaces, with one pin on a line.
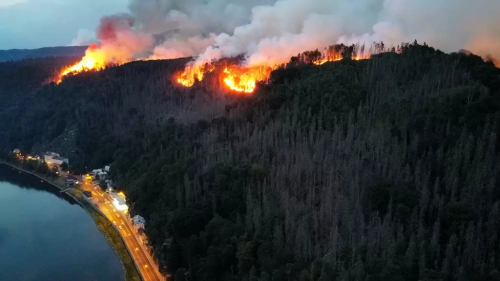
pixel 379 169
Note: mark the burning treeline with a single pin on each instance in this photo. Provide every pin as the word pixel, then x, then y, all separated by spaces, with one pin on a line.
pixel 233 73
pixel 269 32
pixel 243 79
pixel 119 43
pixel 94 59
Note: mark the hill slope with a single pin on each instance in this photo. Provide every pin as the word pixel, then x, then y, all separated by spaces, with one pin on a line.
pixel 19 54
pixel 383 169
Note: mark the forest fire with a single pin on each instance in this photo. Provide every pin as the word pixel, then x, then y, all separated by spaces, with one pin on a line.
pixel 194 72
pixel 244 79
pixel 119 43
pixel 236 78
pixel 335 58
pixel 94 59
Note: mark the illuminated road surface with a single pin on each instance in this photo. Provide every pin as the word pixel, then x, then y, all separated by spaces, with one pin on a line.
pixel 148 268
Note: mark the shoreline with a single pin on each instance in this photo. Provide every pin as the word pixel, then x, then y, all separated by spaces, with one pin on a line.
pixel 129 276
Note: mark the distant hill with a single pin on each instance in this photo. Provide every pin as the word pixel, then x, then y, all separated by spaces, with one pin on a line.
pixel 20 54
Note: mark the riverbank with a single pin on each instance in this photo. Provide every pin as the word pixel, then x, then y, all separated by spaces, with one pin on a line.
pixel 102 223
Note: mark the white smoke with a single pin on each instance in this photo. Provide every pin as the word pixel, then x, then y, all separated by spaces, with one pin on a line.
pixel 192 17
pixel 271 31
pixel 179 47
pixel 84 37
pixel 188 27
pixel 445 24
pixel 277 32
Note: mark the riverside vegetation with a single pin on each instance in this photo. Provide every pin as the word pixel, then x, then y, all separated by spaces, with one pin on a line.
pixel 380 169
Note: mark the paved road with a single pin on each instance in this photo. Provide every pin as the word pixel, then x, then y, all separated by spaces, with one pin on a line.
pixel 148 268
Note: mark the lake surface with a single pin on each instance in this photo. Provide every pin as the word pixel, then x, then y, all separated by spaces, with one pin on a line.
pixel 46 236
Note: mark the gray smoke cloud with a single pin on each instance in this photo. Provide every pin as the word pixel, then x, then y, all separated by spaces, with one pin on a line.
pixel 271 31
pixel 288 27
pixel 445 24
pixel 188 27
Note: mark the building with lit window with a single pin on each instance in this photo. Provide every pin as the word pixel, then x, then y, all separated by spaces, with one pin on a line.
pixel 54 158
pixel 119 202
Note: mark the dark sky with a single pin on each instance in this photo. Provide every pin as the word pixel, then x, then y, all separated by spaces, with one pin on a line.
pixel 41 23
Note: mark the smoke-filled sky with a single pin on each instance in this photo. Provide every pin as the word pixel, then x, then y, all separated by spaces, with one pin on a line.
pixel 267 31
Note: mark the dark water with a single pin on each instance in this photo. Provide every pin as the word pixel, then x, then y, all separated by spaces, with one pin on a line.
pixel 45 236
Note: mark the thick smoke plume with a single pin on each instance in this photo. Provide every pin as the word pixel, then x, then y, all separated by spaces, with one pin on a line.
pixel 119 41
pixel 279 31
pixel 271 31
pixel 187 27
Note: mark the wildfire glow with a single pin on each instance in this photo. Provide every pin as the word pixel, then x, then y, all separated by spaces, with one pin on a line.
pixel 337 58
pixel 194 72
pixel 94 59
pixel 243 79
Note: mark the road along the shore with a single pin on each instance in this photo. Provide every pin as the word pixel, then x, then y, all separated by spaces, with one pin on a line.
pixel 85 208
pixel 142 260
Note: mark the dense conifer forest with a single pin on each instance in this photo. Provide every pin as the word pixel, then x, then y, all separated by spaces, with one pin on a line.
pixel 381 169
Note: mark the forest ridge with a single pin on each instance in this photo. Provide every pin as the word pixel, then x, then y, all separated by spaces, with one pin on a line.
pixel 380 169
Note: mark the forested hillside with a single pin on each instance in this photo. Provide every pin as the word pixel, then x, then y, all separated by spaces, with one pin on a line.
pixel 20 54
pixel 380 169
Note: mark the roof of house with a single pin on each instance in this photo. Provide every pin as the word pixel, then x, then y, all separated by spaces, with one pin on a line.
pixel 138 219
pixel 59 158
pixel 119 199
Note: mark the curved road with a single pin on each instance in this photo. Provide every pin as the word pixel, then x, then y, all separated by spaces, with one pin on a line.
pixel 148 268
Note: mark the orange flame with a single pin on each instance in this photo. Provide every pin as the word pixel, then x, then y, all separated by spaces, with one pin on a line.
pixel 245 80
pixel 194 72
pixel 337 58
pixel 94 59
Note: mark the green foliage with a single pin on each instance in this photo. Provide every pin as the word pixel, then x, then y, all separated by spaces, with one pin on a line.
pixel 380 169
